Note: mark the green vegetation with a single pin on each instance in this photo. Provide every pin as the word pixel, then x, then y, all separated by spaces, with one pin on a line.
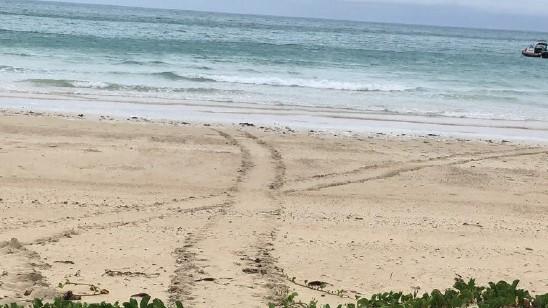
pixel 462 294
pixel 61 303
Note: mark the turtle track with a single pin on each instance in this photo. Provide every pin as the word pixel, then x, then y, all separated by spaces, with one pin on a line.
pixel 385 171
pixel 232 254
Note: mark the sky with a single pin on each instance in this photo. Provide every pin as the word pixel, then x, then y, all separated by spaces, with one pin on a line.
pixel 497 14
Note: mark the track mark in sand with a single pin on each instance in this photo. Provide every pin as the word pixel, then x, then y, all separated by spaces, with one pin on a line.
pixel 277 159
pixel 384 165
pixel 186 257
pixel 78 230
pixel 264 263
pixel 245 163
pixel 87 225
pixel 391 170
pixel 29 269
pixel 323 176
pixel 20 267
pixel 231 258
pixel 20 274
pixel 117 210
pixel 181 284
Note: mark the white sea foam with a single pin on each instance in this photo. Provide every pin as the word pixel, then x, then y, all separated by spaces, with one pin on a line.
pixel 313 83
pixel 91 84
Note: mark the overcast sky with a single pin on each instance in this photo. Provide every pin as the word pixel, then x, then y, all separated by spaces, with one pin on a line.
pixel 502 14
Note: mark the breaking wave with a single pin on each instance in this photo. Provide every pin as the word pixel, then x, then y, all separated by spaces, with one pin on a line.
pixel 313 83
pixel 12 69
pixel 77 84
pixel 290 82
pixel 175 76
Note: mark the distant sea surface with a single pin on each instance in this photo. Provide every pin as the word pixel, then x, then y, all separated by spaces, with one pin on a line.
pixel 171 56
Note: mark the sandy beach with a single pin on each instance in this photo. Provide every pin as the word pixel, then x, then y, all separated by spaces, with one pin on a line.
pixel 227 215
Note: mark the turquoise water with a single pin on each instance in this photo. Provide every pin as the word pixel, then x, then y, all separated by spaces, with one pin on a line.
pixel 89 51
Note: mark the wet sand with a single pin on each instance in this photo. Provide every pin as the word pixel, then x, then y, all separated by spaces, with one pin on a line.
pixel 227 214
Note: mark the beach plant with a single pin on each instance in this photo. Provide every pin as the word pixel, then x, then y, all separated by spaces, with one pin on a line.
pixel 61 303
pixel 463 294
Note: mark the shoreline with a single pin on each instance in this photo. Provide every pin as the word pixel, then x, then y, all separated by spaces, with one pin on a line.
pixel 328 120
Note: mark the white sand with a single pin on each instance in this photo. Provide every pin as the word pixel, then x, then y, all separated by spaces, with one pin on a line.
pixel 170 206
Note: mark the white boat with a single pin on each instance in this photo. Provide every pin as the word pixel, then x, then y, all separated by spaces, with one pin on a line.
pixel 537 50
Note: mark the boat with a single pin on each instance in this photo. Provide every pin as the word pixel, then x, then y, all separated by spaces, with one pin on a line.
pixel 537 50
pixel 545 55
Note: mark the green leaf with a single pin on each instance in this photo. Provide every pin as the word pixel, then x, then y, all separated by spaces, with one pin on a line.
pixel 144 302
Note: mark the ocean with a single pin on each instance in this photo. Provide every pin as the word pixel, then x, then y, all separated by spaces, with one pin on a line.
pixel 167 58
